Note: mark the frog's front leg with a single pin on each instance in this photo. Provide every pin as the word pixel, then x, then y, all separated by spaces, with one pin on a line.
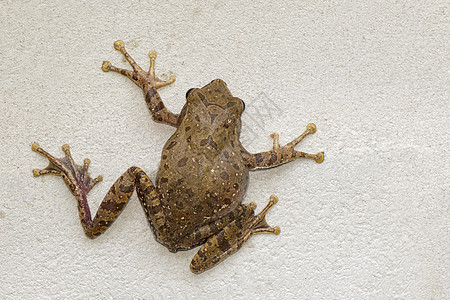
pixel 280 155
pixel 148 82
pixel 233 236
pixel 80 183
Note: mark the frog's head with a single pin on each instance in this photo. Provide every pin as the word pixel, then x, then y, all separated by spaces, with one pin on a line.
pixel 212 109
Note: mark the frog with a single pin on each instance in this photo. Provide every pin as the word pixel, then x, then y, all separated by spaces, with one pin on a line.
pixel 197 198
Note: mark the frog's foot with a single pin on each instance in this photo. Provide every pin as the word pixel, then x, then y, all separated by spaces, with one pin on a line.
pixel 76 177
pixel 280 154
pixel 288 153
pixel 259 224
pixel 138 75
pixel 233 236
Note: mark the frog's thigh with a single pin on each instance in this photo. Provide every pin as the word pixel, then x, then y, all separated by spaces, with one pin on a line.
pixel 150 202
pixel 202 233
pixel 118 196
pixel 112 205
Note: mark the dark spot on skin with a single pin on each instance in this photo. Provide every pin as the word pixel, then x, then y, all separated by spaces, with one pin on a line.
pixel 113 206
pixel 150 94
pixel 223 245
pixel 238 222
pixel 124 188
pixel 166 166
pixel 236 186
pixel 189 192
pixel 198 208
pixel 203 142
pixel 273 158
pixel 212 116
pixel 187 128
pixel 182 162
pixel 258 158
pixel 224 175
pixel 212 143
pixel 180 181
pixel 135 77
pixel 213 227
pixel 170 191
pixel 164 180
pixel 158 107
pixel 236 166
pixel 197 118
pixel 232 143
pixel 227 201
pixel 148 189
pixel 179 205
pixel 164 156
pixel 103 223
pixel 225 153
pixel 171 145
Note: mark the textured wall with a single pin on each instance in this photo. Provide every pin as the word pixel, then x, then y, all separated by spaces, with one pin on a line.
pixel 370 222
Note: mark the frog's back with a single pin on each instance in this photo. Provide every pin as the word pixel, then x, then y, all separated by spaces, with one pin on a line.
pixel 197 183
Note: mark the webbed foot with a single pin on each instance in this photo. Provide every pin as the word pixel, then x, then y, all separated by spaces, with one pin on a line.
pixel 288 149
pixel 259 224
pixel 76 177
pixel 138 75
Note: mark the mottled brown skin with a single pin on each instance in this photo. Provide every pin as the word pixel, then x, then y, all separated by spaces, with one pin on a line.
pixel 201 180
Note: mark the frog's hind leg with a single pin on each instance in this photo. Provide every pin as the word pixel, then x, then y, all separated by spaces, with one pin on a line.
pixel 148 81
pixel 233 236
pixel 80 183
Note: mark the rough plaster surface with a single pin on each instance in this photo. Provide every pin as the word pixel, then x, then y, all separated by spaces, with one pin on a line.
pixel 370 222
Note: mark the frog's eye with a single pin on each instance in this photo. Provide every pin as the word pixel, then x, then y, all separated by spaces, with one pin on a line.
pixel 187 93
pixel 243 105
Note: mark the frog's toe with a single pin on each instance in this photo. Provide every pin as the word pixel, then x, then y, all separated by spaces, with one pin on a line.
pixel 319 157
pixel 275 137
pixel 106 66
pixel 119 45
pixel 152 78
pixel 277 230
pixel 311 127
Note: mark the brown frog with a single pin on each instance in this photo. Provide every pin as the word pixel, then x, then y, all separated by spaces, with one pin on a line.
pixel 202 177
